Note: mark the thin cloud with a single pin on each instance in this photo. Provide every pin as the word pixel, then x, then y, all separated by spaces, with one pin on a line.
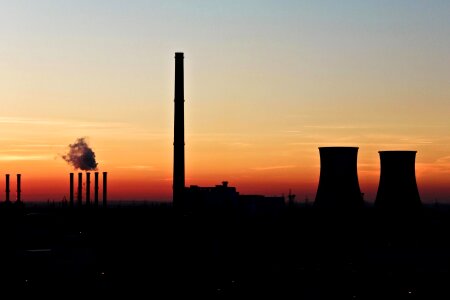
pixel 337 127
pixel 29 121
pixel 137 167
pixel 240 144
pixel 273 168
pixel 68 123
pixel 37 145
pixel 443 160
pixel 24 157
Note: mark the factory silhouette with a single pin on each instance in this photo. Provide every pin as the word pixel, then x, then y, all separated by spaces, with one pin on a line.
pixel 338 184
pixel 215 242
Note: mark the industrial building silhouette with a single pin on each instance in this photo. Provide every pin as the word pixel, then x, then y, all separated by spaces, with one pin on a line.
pixel 338 186
pixel 227 245
pixel 218 198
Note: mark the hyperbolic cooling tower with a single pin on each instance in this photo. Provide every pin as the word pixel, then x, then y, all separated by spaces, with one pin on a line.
pixel 338 183
pixel 397 188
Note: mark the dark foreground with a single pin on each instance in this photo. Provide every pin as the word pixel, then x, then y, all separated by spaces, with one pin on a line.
pixel 152 251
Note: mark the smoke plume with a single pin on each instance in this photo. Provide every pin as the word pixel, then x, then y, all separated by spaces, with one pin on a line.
pixel 81 156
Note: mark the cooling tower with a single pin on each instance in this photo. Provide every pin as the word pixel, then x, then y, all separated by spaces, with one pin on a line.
pixel 338 182
pixel 397 189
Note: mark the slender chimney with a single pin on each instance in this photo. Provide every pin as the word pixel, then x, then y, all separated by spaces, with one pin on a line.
pixel 338 182
pixel 88 188
pixel 18 188
pixel 397 190
pixel 71 190
pixel 178 143
pixel 80 189
pixel 96 189
pixel 7 188
pixel 105 188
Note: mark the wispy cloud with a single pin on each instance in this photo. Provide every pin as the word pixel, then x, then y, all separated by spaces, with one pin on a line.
pixel 136 167
pixel 273 168
pixel 337 127
pixel 38 145
pixel 239 144
pixel 56 122
pixel 443 160
pixel 371 126
pixel 416 141
pixel 25 157
pixel 29 121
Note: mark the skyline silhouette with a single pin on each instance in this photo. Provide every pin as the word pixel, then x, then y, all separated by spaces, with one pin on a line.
pixel 189 248
pixel 225 150
pixel 338 166
pixel 268 83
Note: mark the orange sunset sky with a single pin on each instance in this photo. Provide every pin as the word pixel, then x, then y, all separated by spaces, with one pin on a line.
pixel 266 84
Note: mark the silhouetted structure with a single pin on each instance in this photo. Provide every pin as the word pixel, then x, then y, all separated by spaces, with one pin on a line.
pixel 223 198
pixel 178 143
pixel 263 248
pixel 7 190
pixel 209 198
pixel 80 189
pixel 71 192
pixel 19 188
pixel 338 183
pixel 105 196
pixel 397 189
pixel 88 188
pixel 96 189
pixel 291 198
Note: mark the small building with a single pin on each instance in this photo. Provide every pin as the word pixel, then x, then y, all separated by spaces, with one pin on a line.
pixel 226 198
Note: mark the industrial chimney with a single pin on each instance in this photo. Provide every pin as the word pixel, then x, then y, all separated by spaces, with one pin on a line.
pixel 96 189
pixel 88 188
pixel 71 190
pixel 338 182
pixel 397 189
pixel 104 189
pixel 80 189
pixel 7 190
pixel 19 190
pixel 178 143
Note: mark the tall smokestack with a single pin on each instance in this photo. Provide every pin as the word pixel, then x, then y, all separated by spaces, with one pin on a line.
pixel 80 189
pixel 19 189
pixel 88 188
pixel 178 142
pixel 71 190
pixel 7 190
pixel 96 189
pixel 338 182
pixel 105 188
pixel 397 189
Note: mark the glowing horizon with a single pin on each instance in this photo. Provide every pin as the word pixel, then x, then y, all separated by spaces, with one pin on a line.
pixel 266 84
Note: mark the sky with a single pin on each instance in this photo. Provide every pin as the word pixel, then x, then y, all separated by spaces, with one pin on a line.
pixel 266 84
